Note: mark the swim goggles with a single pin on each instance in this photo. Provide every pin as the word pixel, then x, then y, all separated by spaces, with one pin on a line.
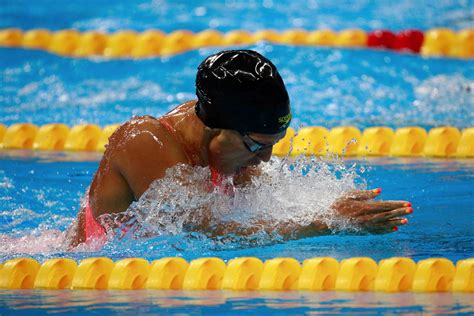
pixel 253 146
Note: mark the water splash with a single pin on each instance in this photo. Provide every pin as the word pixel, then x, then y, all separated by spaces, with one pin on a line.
pixel 167 217
pixel 289 191
pixel 447 99
pixel 38 241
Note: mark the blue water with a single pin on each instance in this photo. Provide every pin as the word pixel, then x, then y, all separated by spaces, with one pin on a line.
pixel 233 303
pixel 327 87
pixel 44 194
pixel 112 15
pixel 40 192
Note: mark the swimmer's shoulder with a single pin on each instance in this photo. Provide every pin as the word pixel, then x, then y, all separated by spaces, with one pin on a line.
pixel 142 139
pixel 139 131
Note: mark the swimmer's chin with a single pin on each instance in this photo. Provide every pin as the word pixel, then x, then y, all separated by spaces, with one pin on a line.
pixel 238 169
pixel 244 168
pixel 235 171
pixel 252 163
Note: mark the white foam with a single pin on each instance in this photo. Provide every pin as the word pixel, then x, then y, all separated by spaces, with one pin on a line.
pixel 447 99
pixel 290 191
pixel 299 191
pixel 38 241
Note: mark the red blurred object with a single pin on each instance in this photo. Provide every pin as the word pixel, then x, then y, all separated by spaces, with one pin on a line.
pixel 409 40
pixel 381 38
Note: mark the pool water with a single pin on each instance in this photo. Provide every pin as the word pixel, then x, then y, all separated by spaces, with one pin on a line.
pixel 327 87
pixel 251 15
pixel 40 192
pixel 235 303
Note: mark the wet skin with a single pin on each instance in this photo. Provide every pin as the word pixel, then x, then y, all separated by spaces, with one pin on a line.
pixel 142 149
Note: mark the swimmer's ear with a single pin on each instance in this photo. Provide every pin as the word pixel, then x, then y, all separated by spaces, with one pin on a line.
pixel 212 132
pixel 231 136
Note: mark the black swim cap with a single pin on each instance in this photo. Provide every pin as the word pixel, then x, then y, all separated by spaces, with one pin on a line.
pixel 243 91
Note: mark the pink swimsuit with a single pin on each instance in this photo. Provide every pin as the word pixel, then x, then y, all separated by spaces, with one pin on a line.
pixel 94 231
pixel 216 182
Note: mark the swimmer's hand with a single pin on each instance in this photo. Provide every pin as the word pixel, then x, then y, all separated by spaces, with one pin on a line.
pixel 377 217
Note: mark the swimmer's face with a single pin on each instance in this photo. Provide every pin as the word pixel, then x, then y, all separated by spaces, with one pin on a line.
pixel 230 151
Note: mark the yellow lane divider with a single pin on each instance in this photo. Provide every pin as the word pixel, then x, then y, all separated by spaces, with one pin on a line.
pixel 131 44
pixel 83 137
pixel 378 141
pixel 346 141
pixel 396 274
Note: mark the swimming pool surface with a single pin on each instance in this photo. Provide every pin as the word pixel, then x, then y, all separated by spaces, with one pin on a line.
pixel 225 15
pixel 40 192
pixel 43 194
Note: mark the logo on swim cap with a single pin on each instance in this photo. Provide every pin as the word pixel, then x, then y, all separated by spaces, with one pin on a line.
pixel 285 120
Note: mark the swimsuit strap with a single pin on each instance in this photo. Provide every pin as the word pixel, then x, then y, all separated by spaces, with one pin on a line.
pixel 170 128
pixel 167 125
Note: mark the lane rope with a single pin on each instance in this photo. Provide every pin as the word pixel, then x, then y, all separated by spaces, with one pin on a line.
pixel 153 43
pixel 346 141
pixel 396 274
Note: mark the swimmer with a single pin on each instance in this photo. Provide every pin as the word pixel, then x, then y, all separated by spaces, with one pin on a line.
pixel 242 110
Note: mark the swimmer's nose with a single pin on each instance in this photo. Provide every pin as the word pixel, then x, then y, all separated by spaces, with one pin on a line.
pixel 265 155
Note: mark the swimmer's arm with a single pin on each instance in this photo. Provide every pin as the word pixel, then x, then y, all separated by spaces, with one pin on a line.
pixel 147 157
pixel 109 193
pixel 141 154
pixel 287 230
pixel 360 208
pixel 134 158
pixel 372 216
pixel 202 221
